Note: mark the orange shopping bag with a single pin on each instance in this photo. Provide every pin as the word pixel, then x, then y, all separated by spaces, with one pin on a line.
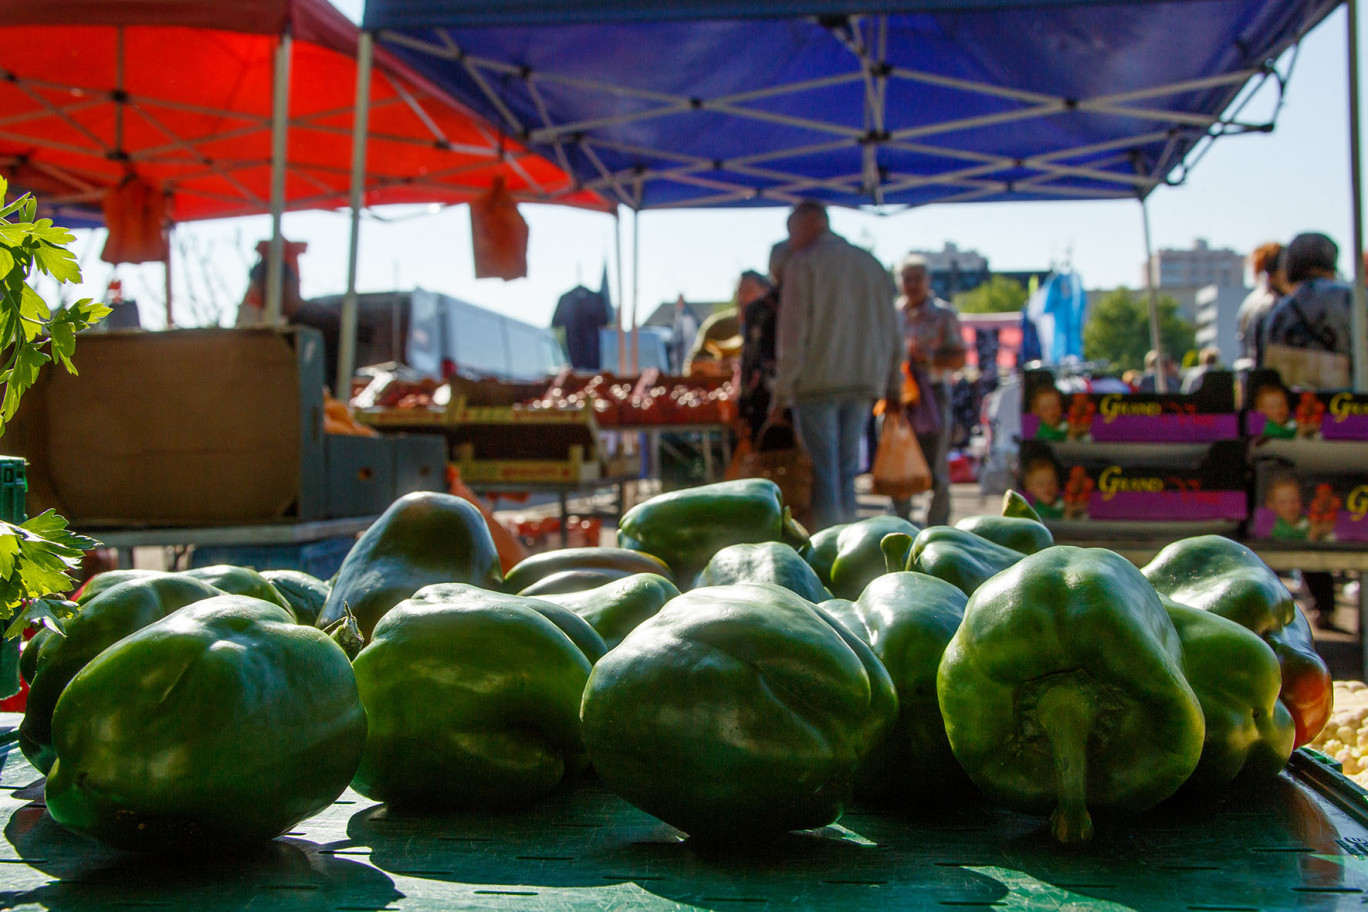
pixel 900 469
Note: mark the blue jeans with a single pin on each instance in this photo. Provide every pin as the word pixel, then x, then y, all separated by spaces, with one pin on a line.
pixel 831 430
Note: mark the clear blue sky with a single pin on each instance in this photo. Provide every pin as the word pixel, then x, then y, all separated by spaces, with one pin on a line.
pixel 1247 190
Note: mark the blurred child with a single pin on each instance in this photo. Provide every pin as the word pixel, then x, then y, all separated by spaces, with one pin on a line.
pixel 1040 478
pixel 1047 404
pixel 1283 497
pixel 1271 400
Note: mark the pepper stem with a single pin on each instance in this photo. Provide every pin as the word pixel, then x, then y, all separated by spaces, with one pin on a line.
pixel 1066 712
pixel 793 532
pixel 897 549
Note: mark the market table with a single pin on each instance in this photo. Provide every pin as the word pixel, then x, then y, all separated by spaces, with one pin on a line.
pixel 1286 845
pixel 705 431
pixel 562 490
pixel 124 540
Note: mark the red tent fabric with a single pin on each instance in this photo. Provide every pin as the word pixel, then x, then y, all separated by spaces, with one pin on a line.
pixel 180 93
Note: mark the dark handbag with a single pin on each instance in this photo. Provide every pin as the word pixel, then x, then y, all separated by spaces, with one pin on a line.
pixel 925 414
pixel 779 455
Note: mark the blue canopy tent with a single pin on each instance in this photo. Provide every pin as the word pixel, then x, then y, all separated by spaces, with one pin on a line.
pixel 854 102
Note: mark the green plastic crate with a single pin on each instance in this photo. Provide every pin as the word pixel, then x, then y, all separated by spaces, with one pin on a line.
pixel 13 488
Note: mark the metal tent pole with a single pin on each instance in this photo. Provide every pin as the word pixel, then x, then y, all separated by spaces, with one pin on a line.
pixel 346 336
pixel 170 236
pixel 1359 318
pixel 1156 340
pixel 636 276
pixel 280 125
pixel 622 362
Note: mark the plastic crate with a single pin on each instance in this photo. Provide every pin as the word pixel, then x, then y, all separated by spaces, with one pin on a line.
pixel 13 488
pixel 320 558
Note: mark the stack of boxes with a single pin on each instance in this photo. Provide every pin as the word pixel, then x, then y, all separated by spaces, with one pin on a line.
pixel 1309 454
pixel 1128 463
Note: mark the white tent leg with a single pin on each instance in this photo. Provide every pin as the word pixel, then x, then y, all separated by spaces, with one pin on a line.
pixel 280 125
pixel 636 276
pixel 1156 339
pixel 1359 321
pixel 622 363
pixel 346 335
pixel 170 251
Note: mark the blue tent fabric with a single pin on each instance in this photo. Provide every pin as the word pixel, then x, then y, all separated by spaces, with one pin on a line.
pixel 733 103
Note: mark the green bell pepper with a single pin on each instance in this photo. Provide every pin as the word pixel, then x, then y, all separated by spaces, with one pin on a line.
pixel 764 562
pixel 1249 732
pixel 539 566
pixel 108 580
pixel 567 581
pixel 423 538
pixel 1215 574
pixel 961 558
pixel 579 630
pixel 686 528
pixel 821 551
pixel 1063 692
pixel 303 593
pixel 908 619
pixel 238 581
pixel 859 559
pixel 1018 533
pixel 615 609
pixel 472 701
pixel 737 713
pixel 221 725
pixel 103 621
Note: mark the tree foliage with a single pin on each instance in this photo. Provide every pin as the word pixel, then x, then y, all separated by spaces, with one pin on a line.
pixel 1117 330
pixel 997 295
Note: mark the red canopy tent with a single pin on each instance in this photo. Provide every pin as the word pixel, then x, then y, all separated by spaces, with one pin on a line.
pixel 203 98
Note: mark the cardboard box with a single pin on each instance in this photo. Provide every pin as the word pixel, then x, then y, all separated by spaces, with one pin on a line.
pixel 1310 491
pixel 1274 411
pixel 1053 414
pixel 1137 482
pixel 189 427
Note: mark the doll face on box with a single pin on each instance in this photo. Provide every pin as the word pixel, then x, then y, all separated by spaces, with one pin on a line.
pixel 1048 405
pixel 1273 403
pixel 1042 482
pixel 1285 500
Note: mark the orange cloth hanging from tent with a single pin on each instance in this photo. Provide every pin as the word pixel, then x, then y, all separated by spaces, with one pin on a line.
pixel 498 234
pixel 135 214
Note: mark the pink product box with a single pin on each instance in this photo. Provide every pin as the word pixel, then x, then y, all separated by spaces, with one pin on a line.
pixel 1101 483
pixel 1275 412
pixel 1054 415
pixel 1319 495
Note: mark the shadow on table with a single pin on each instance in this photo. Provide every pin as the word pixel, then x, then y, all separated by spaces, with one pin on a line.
pixel 283 874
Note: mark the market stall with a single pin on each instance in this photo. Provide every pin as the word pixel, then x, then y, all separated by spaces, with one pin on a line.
pixel 225 113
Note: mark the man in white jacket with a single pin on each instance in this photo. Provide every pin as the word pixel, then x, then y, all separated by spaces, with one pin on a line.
pixel 838 351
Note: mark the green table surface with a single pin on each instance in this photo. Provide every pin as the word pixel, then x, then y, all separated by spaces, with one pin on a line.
pixel 1282 846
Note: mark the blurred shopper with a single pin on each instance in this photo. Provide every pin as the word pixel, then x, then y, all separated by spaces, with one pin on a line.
pixel 1209 358
pixel 1313 315
pixel 683 331
pixel 1149 381
pixel 580 315
pixel 760 337
pixel 837 352
pixel 1269 285
pixel 934 347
